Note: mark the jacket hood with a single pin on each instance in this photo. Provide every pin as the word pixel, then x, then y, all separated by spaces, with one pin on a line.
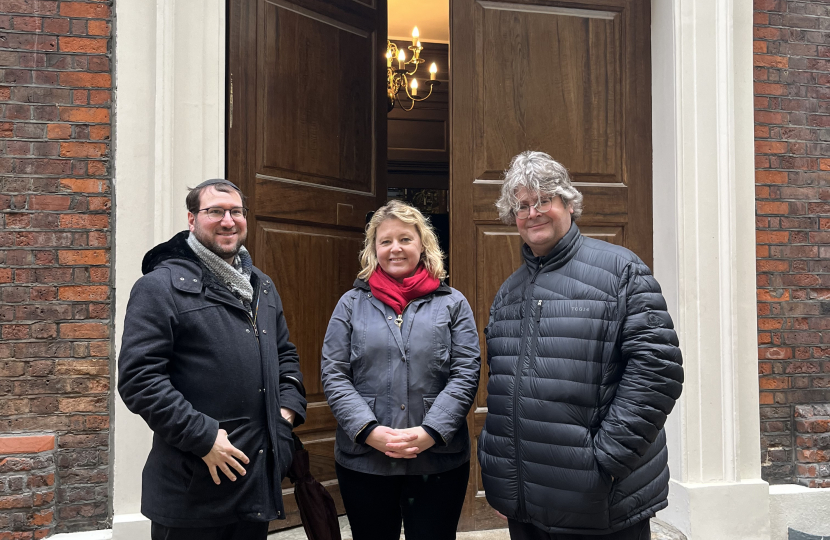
pixel 561 253
pixel 175 248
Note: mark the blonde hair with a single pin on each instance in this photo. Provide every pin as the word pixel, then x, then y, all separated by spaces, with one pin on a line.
pixel 432 257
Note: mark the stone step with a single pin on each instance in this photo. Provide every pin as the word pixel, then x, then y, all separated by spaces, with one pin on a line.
pixel 659 531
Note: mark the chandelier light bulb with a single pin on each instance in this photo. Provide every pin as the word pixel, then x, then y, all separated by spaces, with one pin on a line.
pixel 414 87
pixel 388 58
pixel 433 69
pixel 415 35
pixel 401 58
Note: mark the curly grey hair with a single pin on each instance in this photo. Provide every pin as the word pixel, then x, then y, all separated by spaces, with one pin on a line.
pixel 538 173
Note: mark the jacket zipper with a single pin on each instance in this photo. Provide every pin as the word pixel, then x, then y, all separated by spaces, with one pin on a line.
pixel 517 385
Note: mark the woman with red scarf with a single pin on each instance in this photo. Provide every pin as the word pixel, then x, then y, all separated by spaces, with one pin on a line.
pixel 400 370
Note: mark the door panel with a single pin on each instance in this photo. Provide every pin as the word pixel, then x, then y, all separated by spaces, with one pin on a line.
pixel 568 78
pixel 307 144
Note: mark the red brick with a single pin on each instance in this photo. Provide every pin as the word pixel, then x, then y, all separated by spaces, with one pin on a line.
pixel 27 24
pixel 98 28
pixel 768 147
pixel 59 131
pixel 96 168
pixel 83 150
pixel 770 89
pixel 56 26
pixel 15 501
pixel 84 293
pixel 775 353
pixel 85 114
pixel 82 45
pixel 84 331
pixel 78 9
pixel 86 80
pixel 99 133
pixel 83 257
pixel 772 207
pixel 83 404
pixel 774 383
pixel 770 117
pixel 26 444
pixel 772 237
pixel 49 202
pixel 84 221
pixel 99 97
pixel 84 185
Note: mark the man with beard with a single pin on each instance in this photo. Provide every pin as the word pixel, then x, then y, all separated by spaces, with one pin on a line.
pixel 206 361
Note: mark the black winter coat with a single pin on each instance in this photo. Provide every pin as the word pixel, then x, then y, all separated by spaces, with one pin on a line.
pixel 192 361
pixel 584 368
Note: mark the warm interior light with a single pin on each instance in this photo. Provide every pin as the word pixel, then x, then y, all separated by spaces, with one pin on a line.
pixel 415 33
pixel 433 68
pixel 414 86
pixel 401 56
pixel 388 54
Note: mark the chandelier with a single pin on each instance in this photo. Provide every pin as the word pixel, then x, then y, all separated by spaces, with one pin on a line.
pixel 401 79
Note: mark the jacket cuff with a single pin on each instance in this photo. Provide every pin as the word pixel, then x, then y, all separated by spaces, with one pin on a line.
pixel 611 465
pixel 203 442
pixel 290 398
pixel 364 433
pixel 439 441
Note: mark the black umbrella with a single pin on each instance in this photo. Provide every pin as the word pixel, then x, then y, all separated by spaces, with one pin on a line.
pixel 317 510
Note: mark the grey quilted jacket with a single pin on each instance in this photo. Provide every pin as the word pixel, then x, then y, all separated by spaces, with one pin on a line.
pixel 424 373
pixel 584 368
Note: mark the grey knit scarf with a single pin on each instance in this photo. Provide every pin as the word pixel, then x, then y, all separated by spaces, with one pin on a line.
pixel 237 277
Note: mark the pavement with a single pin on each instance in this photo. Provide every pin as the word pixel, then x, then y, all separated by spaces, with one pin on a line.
pixel 659 531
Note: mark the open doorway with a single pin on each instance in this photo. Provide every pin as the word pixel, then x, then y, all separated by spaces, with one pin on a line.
pixel 418 156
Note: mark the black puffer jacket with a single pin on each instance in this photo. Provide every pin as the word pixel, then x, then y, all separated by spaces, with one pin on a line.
pixel 584 369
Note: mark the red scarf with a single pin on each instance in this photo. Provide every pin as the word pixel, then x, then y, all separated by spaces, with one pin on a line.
pixel 398 295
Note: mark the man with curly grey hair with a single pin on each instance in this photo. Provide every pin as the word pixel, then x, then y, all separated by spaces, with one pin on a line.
pixel 584 369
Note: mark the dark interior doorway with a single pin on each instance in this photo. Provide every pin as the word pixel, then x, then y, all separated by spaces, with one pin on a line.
pixel 418 169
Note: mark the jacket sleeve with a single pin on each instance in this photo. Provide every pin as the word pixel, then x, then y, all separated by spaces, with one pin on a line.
pixel 449 411
pixel 348 406
pixel 292 391
pixel 143 380
pixel 651 382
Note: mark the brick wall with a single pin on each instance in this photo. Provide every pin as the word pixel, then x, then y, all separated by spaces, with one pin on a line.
pixel 792 145
pixel 55 244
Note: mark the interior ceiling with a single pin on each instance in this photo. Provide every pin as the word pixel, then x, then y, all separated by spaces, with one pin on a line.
pixel 432 17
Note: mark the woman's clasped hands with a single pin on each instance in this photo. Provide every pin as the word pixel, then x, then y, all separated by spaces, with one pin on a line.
pixel 400 443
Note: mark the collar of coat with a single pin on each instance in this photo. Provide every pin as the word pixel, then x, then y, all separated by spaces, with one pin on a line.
pixel 363 285
pixel 176 251
pixel 562 252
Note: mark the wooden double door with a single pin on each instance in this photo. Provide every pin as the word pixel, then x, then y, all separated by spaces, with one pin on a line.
pixel 307 140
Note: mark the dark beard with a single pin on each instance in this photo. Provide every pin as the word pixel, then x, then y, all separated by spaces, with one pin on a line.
pixel 218 250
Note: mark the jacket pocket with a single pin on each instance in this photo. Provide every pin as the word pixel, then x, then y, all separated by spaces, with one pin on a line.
pixel 243 494
pixel 536 314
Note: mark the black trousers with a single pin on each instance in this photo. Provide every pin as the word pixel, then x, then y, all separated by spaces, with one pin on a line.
pixel 429 505
pixel 526 531
pixel 241 530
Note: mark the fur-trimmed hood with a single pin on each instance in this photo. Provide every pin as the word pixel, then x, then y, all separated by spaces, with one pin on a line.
pixel 175 248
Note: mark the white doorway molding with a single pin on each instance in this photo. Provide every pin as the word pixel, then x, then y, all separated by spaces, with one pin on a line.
pixel 169 133
pixel 704 244
pixel 170 63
